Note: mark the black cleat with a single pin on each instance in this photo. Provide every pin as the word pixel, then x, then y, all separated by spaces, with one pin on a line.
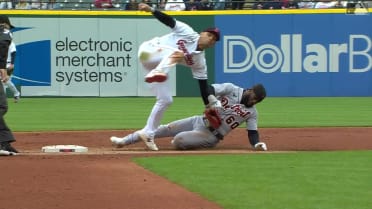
pixel 5 146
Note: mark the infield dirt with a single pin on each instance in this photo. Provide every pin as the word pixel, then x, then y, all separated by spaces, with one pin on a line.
pixel 106 178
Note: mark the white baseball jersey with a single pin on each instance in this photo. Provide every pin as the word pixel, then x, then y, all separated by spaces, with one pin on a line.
pixel 232 112
pixel 185 39
pixel 154 56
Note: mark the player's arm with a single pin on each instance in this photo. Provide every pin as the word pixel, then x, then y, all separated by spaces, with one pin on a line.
pixel 12 57
pixel 254 140
pixel 162 17
pixel 11 64
pixel 205 90
pixel 253 136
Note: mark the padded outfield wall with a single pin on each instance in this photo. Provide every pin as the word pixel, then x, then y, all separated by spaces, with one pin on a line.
pixel 293 52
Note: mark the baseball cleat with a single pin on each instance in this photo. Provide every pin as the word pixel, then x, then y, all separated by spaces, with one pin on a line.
pixel 117 141
pixel 6 153
pixel 155 76
pixel 16 99
pixel 5 146
pixel 260 146
pixel 149 141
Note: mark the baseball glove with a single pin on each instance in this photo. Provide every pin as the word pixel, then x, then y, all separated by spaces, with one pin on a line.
pixel 212 116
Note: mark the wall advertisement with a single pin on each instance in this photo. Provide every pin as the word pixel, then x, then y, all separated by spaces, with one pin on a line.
pixel 82 56
pixel 298 54
pixel 291 54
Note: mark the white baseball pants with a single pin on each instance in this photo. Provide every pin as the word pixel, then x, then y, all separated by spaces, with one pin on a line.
pixel 154 56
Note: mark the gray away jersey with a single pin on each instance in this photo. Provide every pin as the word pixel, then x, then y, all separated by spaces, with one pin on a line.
pixel 232 112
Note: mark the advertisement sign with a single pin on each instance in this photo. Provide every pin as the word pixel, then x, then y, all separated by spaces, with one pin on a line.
pixel 298 54
pixel 82 56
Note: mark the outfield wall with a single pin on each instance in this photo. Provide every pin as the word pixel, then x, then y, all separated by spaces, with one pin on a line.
pixel 292 52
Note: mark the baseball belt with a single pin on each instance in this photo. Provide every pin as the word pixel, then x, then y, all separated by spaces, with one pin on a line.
pixel 214 131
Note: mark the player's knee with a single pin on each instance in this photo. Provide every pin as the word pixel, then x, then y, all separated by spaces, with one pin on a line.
pixel 162 131
pixel 176 142
pixel 168 101
pixel 179 143
pixel 165 101
pixel 144 56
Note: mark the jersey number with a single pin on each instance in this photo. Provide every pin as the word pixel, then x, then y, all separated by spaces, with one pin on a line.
pixel 231 122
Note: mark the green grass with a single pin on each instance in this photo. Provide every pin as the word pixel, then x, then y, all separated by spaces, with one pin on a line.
pixel 43 114
pixel 306 180
pixel 316 111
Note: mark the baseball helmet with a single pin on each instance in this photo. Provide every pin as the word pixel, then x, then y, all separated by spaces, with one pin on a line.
pixel 214 31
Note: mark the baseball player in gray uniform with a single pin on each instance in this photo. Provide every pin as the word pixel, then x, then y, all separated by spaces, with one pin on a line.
pixel 235 106
pixel 182 46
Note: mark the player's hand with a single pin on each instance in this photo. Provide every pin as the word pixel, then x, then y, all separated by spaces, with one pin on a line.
pixel 213 102
pixel 10 67
pixel 177 56
pixel 4 75
pixel 260 146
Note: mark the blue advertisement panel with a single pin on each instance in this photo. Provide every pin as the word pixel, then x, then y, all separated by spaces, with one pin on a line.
pixel 297 54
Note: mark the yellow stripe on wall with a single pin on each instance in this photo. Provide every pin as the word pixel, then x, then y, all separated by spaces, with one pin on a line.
pixel 215 12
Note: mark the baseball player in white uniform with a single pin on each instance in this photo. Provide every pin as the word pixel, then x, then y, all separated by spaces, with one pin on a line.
pixel 10 67
pixel 236 106
pixel 182 46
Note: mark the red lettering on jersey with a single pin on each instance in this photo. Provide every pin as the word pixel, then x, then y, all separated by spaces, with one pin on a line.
pixel 188 56
pixel 237 107
pixel 239 111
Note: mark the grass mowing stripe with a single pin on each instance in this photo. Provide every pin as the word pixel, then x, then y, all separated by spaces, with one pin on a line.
pixel 304 180
pixel 43 114
pixel 46 114
pixel 315 111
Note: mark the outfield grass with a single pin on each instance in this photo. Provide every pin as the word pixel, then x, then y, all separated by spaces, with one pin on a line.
pixel 304 180
pixel 43 114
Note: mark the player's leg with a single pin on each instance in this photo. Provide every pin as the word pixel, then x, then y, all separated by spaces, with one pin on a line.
pixel 4 87
pixel 160 73
pixel 158 59
pixel 175 127
pixel 197 138
pixel 163 100
pixel 6 134
pixel 127 140
pixel 149 57
pixel 13 89
pixel 162 131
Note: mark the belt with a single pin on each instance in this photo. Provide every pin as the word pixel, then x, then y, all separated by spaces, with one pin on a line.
pixel 212 130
